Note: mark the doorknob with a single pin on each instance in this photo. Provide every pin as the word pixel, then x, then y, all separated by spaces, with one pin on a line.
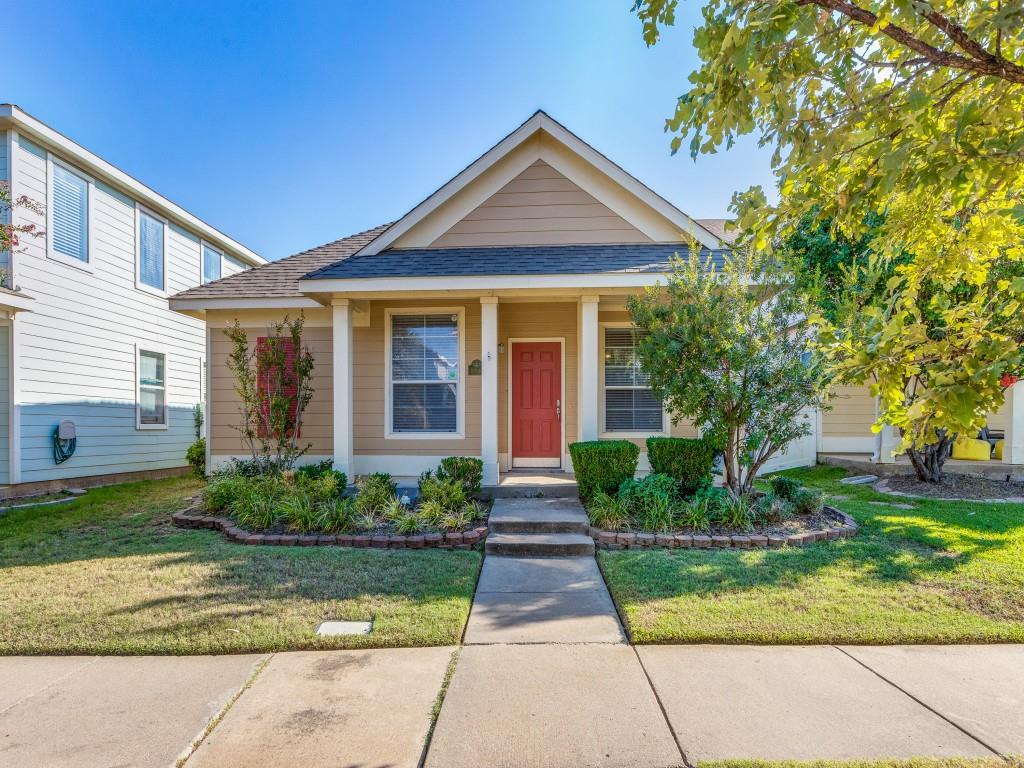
pixel 558 409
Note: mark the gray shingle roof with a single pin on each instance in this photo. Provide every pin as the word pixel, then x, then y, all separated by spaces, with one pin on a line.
pixel 281 278
pixel 518 260
pixel 717 228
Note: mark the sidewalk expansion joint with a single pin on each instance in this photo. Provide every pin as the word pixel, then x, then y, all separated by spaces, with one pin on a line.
pixel 661 706
pixel 922 703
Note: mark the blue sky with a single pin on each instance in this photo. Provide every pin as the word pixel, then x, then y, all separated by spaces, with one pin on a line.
pixel 289 125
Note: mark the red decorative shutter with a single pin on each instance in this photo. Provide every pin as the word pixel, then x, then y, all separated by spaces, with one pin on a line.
pixel 267 377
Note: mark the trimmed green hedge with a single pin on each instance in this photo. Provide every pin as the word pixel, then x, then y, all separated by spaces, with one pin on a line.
pixel 688 460
pixel 602 465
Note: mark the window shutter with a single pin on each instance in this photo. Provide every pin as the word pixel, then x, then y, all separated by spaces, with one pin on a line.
pixel 70 215
pixel 151 251
pixel 269 379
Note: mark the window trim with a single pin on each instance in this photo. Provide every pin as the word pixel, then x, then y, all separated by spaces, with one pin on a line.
pixel 460 394
pixel 604 433
pixel 157 350
pixel 161 292
pixel 90 215
pixel 203 245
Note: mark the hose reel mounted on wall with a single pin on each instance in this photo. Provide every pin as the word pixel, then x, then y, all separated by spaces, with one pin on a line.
pixel 64 441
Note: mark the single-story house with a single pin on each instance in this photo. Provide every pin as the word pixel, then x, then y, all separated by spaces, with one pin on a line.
pixel 489 321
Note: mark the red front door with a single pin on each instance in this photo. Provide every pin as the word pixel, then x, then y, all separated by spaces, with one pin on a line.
pixel 536 404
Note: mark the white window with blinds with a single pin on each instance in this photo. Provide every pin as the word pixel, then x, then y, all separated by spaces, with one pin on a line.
pixel 151 389
pixel 629 405
pixel 151 259
pixel 68 214
pixel 212 265
pixel 424 373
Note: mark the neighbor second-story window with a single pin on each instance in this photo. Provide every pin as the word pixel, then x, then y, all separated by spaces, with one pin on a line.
pixel 151 251
pixel 211 264
pixel 69 214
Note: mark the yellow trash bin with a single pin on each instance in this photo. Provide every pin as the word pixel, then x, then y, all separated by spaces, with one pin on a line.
pixel 999 450
pixel 969 449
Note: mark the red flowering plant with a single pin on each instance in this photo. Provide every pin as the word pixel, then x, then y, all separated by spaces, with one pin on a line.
pixel 10 233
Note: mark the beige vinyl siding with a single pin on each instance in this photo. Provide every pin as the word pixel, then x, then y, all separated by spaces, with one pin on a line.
pixel 852 412
pixel 318 420
pixel 77 347
pixel 538 321
pixel 540 207
pixel 369 383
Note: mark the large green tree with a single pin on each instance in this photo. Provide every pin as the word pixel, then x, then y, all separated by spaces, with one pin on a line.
pixel 911 109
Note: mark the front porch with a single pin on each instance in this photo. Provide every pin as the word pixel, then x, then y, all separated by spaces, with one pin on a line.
pixel 511 377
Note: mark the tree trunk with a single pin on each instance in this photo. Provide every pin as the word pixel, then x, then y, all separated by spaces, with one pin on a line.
pixel 928 461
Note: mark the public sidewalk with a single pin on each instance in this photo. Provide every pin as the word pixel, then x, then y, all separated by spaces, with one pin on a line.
pixel 566 704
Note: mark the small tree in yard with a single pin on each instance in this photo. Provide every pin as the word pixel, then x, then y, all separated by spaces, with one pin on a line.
pixel 273 384
pixel 11 234
pixel 726 349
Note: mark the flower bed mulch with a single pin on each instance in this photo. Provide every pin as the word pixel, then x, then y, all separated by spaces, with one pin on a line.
pixel 196 518
pixel 831 524
pixel 953 487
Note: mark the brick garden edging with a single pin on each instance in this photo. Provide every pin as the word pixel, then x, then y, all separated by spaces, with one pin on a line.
pixel 613 540
pixel 193 518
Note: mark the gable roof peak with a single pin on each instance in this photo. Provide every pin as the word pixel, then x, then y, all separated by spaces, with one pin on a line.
pixel 539 121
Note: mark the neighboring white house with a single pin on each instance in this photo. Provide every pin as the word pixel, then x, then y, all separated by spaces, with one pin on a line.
pixel 86 334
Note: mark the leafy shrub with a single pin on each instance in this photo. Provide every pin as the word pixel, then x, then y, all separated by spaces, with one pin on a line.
pixel 366 520
pixel 771 509
pixel 456 519
pixel 449 493
pixel 321 487
pixel 735 513
pixel 431 512
pixel 690 461
pixel 408 523
pixel 715 498
pixel 256 508
pixel 375 492
pixel 196 456
pixel 784 487
pixel 321 469
pixel 602 465
pixel 475 510
pixel 222 490
pixel 334 515
pixel 607 512
pixel 808 501
pixel 299 512
pixel 246 468
pixel 696 514
pixel 650 500
pixel 466 470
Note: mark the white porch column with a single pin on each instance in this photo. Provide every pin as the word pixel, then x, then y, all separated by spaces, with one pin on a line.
pixel 589 368
pixel 342 375
pixel 1013 448
pixel 489 388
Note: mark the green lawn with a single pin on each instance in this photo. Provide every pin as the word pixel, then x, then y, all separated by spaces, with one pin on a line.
pixel 941 572
pixel 109 574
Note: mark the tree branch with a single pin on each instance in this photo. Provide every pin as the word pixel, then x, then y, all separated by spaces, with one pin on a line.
pixel 980 60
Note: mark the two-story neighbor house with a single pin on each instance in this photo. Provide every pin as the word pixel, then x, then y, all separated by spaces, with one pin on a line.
pixel 86 334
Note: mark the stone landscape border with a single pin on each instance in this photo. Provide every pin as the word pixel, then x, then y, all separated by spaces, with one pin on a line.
pixel 616 540
pixel 192 518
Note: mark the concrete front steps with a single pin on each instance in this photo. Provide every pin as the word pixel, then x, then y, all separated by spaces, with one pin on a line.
pixel 539 528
